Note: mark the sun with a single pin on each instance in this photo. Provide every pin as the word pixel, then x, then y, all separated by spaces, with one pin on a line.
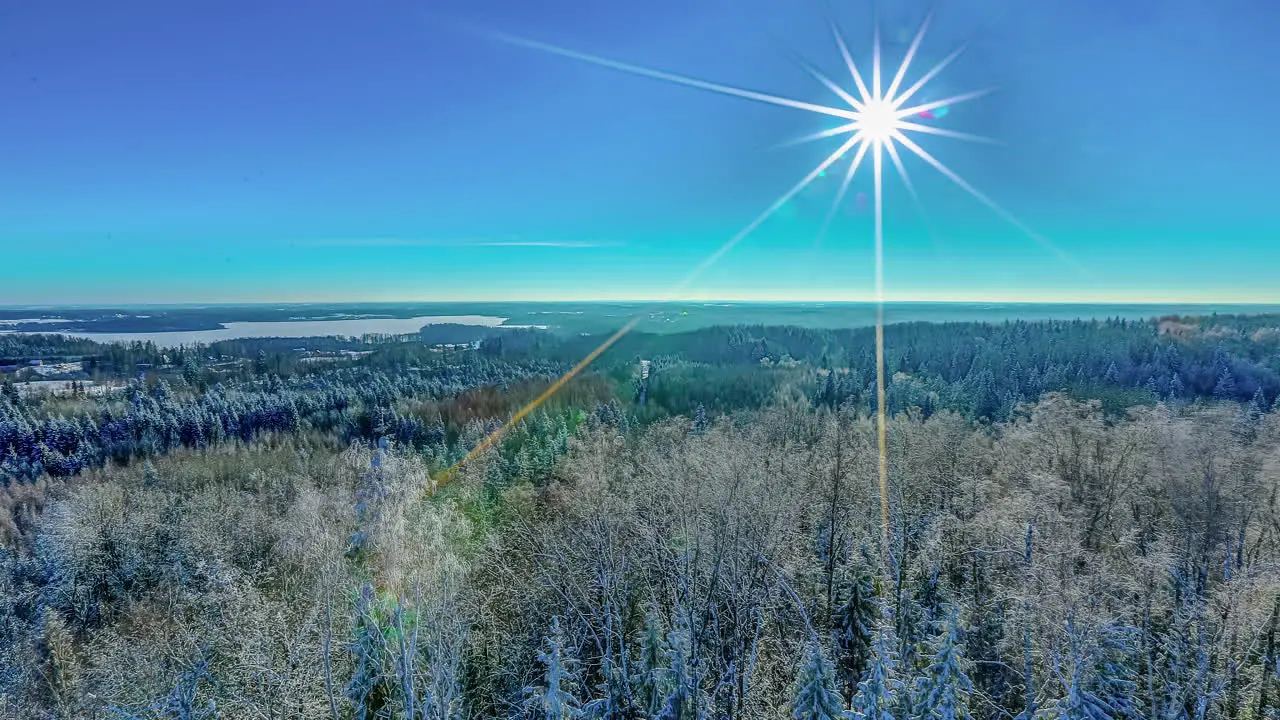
pixel 877 121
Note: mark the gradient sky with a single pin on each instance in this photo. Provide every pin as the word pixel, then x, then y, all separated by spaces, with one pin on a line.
pixel 240 150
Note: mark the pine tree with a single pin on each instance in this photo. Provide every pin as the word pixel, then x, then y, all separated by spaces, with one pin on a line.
pixel 829 390
pixel 554 699
pixel 10 392
pixel 1113 373
pixel 700 420
pixel 1259 402
pixel 680 702
pixel 855 630
pixel 816 697
pixel 1101 685
pixel 652 683
pixel 1225 389
pixel 943 692
pixel 879 690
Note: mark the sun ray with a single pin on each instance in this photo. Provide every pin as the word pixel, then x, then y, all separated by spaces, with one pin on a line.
pixel 875 65
pixel 911 54
pixel 894 155
pixel 878 120
pixel 928 76
pixel 943 132
pixel 844 188
pixel 678 79
pixel 882 417
pixel 848 61
pixel 537 402
pixel 902 171
pixel 449 474
pixel 814 72
pixel 935 104
pixel 991 204
pixel 892 149
pixel 841 130
pixel 831 85
pixel 777 204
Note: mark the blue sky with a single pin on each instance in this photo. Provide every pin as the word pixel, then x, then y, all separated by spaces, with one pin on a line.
pixel 256 150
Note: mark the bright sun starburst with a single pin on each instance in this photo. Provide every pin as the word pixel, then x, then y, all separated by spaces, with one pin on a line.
pixel 875 121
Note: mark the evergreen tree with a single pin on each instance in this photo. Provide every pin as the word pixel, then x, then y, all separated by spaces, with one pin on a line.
pixel 880 688
pixel 190 373
pixel 9 392
pixel 816 697
pixel 854 632
pixel 828 396
pixel 1112 374
pixel 554 699
pixel 1101 685
pixel 943 692
pixel 1225 389
pixel 700 420
pixel 680 702
pixel 652 681
pixel 1259 402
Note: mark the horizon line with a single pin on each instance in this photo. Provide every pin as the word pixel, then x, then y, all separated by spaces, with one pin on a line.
pixel 638 301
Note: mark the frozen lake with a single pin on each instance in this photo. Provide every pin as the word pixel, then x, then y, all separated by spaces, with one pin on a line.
pixel 299 328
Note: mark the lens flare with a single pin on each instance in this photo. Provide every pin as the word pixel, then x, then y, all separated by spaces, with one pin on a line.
pixel 876 120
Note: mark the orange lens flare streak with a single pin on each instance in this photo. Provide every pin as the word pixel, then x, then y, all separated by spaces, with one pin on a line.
pixel 867 126
pixel 493 437
pixel 496 435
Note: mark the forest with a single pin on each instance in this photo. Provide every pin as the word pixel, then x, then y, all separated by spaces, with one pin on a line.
pixel 1082 524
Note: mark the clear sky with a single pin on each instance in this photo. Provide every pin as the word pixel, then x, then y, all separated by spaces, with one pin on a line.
pixel 239 150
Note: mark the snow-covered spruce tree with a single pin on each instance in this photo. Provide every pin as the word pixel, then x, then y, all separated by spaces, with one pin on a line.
pixel 653 676
pixel 613 700
pixel 554 698
pixel 943 692
pixel 1100 684
pixel 816 696
pixel 879 690
pixel 700 422
pixel 681 701
pixel 854 631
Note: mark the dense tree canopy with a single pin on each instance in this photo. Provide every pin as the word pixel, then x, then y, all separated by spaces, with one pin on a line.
pixel 1082 525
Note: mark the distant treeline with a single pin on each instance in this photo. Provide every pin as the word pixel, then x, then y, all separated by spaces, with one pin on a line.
pixel 38 439
pixel 981 371
pixel 985 370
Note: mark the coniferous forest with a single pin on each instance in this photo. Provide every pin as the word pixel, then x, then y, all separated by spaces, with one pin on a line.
pixel 1082 523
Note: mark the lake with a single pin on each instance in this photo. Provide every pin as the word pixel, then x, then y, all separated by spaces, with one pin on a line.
pixel 299 329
